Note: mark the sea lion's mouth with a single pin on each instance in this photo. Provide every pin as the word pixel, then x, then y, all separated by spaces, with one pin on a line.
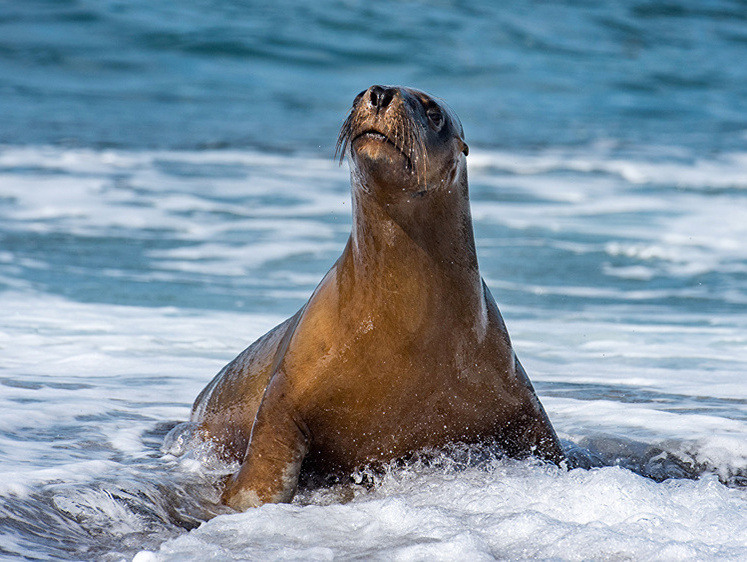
pixel 375 135
pixel 378 136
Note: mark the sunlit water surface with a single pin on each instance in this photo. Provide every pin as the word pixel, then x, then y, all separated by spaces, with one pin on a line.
pixel 130 278
pixel 168 194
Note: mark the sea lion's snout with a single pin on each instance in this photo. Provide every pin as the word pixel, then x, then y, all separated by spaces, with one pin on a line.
pixel 384 134
pixel 380 96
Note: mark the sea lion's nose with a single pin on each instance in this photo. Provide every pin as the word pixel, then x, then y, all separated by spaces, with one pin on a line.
pixel 380 96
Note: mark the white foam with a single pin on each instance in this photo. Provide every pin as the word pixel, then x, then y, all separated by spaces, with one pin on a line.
pixel 651 166
pixel 22 482
pixel 236 260
pixel 688 221
pixel 92 362
pixel 509 511
pixel 90 192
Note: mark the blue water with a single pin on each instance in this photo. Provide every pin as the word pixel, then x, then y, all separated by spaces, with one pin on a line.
pixel 195 74
pixel 168 193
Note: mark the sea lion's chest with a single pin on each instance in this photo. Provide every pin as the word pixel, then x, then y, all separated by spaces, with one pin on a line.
pixel 373 390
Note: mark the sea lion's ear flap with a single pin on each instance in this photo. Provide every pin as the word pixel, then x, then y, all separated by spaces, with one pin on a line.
pixel 465 148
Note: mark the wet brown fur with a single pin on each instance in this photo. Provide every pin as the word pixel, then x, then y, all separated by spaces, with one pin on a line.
pixel 400 347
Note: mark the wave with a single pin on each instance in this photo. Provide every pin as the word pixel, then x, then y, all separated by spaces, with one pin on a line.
pixel 128 278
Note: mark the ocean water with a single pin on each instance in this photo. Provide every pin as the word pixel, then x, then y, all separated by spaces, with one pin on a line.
pixel 168 193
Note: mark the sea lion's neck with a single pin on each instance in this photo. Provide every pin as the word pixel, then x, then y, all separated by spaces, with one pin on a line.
pixel 410 246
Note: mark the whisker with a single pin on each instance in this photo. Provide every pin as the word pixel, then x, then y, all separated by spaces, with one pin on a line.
pixel 344 137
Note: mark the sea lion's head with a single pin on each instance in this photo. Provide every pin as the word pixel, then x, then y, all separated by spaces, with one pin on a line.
pixel 402 141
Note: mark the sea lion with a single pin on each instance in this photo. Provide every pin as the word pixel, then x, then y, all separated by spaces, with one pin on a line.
pixel 401 347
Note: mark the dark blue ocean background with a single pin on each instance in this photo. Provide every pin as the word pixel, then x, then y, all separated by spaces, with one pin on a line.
pixel 281 75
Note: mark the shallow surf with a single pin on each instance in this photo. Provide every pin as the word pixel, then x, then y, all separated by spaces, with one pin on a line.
pixel 130 277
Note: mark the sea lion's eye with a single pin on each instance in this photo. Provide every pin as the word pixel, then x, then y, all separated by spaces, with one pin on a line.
pixel 435 116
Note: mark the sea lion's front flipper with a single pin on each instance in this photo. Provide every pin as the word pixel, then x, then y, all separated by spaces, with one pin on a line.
pixel 272 464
